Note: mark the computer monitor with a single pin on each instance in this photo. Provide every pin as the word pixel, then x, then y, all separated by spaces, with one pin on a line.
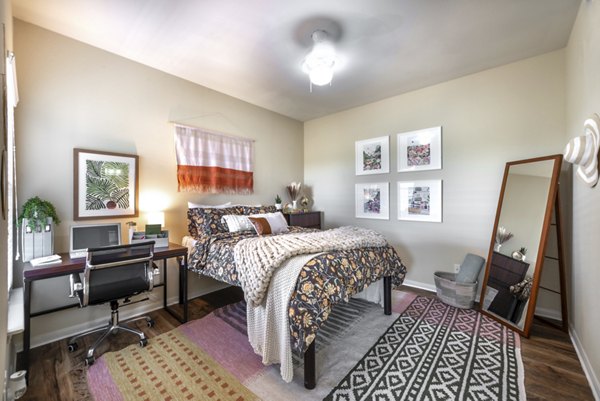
pixel 93 236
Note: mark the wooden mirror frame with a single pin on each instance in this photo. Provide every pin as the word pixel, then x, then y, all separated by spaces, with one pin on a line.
pixel 539 261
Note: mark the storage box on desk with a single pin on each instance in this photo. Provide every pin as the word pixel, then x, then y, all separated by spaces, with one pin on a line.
pixel 460 295
pixel 160 240
pixel 38 242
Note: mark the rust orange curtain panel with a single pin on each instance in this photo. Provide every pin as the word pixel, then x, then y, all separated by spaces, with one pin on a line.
pixel 213 162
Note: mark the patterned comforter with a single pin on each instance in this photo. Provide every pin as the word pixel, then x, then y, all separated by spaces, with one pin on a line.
pixel 326 280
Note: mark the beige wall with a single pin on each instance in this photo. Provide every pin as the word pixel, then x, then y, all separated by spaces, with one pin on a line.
pixel 508 113
pixel 74 95
pixel 583 99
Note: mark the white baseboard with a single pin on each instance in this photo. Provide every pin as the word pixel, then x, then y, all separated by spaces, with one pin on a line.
pixel 418 284
pixel 585 363
pixel 154 303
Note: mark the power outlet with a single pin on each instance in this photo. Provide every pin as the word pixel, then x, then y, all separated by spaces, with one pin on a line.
pixel 456 268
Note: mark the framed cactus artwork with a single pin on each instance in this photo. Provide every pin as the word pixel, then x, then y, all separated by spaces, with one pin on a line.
pixel 105 185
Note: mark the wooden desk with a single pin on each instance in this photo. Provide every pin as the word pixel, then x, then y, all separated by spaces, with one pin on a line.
pixel 69 266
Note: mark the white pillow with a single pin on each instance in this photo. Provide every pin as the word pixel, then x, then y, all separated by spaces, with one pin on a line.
pixel 236 223
pixel 192 205
pixel 276 221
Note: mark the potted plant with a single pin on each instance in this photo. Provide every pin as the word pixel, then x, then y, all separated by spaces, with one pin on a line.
pixel 520 254
pixel 35 214
pixel 278 202
pixel 36 220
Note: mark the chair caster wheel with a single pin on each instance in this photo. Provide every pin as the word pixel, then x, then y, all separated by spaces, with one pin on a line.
pixel 143 342
pixel 150 323
pixel 89 361
pixel 72 347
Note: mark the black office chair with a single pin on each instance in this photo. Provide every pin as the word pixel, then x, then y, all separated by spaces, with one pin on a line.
pixel 111 274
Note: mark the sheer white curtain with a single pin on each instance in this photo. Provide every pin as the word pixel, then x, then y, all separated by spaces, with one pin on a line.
pixel 12 98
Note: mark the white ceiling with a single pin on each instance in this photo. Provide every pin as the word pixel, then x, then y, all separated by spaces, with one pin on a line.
pixel 253 49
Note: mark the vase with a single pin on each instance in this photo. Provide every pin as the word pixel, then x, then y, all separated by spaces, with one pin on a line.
pixel 497 247
pixel 278 206
pixel 294 204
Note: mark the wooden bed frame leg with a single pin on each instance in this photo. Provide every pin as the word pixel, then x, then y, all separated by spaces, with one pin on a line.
pixel 310 371
pixel 387 295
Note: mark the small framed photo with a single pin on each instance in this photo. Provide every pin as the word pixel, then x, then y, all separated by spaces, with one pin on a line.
pixel 420 150
pixel 420 200
pixel 373 200
pixel 105 185
pixel 373 156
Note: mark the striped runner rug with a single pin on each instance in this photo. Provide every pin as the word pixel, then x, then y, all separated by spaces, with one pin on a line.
pixel 211 359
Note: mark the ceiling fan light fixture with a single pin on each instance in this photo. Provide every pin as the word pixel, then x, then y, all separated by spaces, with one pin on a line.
pixel 321 76
pixel 320 62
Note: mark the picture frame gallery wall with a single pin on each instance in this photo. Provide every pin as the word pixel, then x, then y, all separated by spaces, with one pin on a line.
pixel 417 200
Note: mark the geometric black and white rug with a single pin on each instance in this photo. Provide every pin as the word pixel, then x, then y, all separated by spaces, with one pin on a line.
pixel 434 351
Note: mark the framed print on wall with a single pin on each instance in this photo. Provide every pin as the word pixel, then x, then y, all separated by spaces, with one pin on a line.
pixel 105 185
pixel 420 200
pixel 420 150
pixel 372 200
pixel 373 156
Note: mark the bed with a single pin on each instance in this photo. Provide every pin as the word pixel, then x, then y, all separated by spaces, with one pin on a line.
pixel 325 280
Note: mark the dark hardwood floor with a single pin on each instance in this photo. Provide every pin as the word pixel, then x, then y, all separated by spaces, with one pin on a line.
pixel 552 369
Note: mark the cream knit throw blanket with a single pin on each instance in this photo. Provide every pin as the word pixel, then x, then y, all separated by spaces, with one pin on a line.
pixel 268 324
pixel 257 258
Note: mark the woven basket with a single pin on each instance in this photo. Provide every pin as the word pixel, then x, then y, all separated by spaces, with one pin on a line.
pixel 460 295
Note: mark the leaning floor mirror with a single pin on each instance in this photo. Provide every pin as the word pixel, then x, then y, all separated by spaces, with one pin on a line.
pixel 516 255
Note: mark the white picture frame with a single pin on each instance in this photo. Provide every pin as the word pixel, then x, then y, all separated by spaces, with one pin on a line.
pixel 372 156
pixel 420 200
pixel 372 200
pixel 420 150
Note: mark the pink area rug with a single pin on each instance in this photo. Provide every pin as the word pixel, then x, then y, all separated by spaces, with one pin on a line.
pixel 211 359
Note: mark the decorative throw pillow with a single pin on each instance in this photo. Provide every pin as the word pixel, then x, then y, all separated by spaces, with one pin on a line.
pixel 276 221
pixel 250 210
pixel 261 225
pixel 204 221
pixel 194 221
pixel 236 223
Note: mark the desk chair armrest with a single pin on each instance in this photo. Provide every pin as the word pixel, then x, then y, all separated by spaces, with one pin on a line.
pixel 118 263
pixel 76 287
